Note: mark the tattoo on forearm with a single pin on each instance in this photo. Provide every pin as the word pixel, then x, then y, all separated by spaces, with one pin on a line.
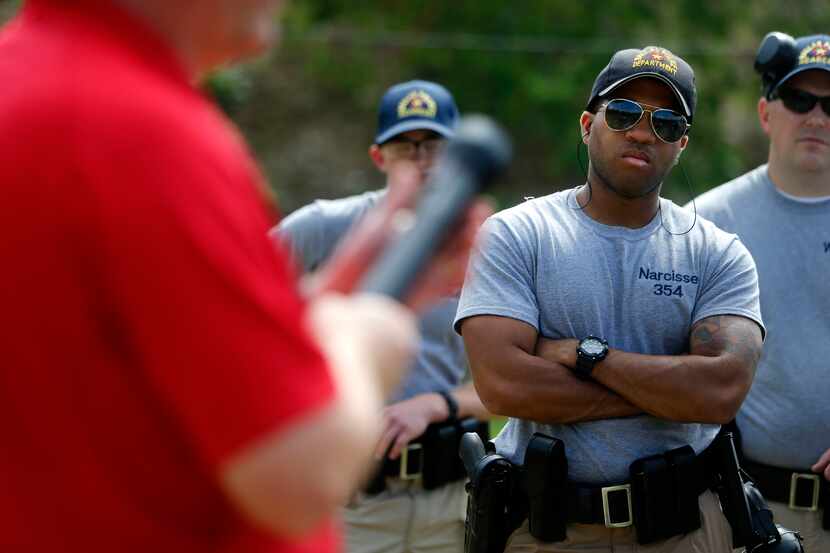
pixel 727 334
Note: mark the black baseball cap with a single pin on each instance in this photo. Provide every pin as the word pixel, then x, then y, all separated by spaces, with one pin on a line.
pixel 813 53
pixel 651 61
pixel 416 105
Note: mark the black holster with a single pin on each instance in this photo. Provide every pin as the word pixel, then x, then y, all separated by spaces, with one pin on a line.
pixel 743 505
pixel 491 513
pixel 769 479
pixel 441 463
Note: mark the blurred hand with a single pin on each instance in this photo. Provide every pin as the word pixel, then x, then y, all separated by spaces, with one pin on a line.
pixel 360 248
pixel 369 331
pixel 368 342
pixel 408 419
pixel 445 274
pixel 365 241
pixel 822 466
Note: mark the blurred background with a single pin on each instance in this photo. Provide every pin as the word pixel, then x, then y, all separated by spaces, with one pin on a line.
pixel 308 108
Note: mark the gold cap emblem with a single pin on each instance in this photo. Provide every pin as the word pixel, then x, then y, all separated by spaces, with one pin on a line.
pixel 656 58
pixel 417 102
pixel 815 52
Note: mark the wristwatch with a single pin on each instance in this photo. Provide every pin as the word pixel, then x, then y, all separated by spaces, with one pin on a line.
pixel 590 351
pixel 452 405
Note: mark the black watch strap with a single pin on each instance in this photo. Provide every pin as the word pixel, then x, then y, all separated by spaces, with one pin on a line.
pixel 452 404
pixel 584 367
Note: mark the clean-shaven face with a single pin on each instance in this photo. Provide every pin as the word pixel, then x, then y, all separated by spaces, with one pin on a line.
pixel 635 161
pixel 800 140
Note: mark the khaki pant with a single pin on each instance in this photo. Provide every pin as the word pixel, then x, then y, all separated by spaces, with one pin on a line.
pixel 808 524
pixel 713 536
pixel 405 518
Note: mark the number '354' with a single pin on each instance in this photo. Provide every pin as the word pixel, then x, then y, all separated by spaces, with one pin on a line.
pixel 668 290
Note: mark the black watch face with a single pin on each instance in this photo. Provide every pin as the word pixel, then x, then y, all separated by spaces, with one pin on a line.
pixel 592 347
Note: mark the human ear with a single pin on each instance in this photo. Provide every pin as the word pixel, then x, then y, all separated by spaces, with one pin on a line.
pixel 763 114
pixel 377 157
pixel 586 121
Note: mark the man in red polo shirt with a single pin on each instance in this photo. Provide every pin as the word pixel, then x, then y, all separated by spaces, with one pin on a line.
pixel 160 386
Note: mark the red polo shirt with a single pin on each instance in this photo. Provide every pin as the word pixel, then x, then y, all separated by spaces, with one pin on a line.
pixel 148 328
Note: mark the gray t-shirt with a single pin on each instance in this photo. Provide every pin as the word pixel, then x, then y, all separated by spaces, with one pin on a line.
pixel 785 420
pixel 312 234
pixel 545 262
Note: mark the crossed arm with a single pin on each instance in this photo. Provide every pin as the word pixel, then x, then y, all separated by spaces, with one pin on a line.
pixel 520 374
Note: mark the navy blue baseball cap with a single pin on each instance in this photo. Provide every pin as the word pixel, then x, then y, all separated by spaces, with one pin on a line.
pixel 651 61
pixel 416 105
pixel 813 53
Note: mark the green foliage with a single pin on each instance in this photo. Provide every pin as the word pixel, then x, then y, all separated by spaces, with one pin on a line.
pixel 496 424
pixel 230 88
pixel 531 64
pixel 8 8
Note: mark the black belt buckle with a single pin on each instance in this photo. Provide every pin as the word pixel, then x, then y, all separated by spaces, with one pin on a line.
pixel 806 478
pixel 613 497
pixel 412 462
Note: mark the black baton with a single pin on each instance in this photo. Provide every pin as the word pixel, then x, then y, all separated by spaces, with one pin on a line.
pixel 473 158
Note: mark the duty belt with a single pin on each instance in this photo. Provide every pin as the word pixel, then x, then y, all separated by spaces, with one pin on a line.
pixel 801 491
pixel 431 458
pixel 410 464
pixel 610 506
pixel 659 500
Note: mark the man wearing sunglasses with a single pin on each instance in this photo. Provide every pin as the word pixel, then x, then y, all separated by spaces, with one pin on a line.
pixel 602 316
pixel 395 514
pixel 781 211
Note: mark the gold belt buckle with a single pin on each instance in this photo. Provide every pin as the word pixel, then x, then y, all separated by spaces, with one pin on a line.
pixel 404 472
pixel 606 512
pixel 814 478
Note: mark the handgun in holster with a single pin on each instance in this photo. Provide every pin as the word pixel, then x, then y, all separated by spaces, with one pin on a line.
pixel 743 505
pixel 490 518
pixel 441 462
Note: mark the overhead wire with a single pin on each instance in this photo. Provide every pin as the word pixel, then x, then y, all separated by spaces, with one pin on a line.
pixel 506 43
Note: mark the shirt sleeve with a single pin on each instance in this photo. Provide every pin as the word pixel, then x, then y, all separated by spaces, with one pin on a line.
pixel 303 233
pixel 730 286
pixel 500 279
pixel 204 305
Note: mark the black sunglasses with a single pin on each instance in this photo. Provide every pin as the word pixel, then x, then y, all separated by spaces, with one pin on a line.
pixel 668 125
pixel 800 101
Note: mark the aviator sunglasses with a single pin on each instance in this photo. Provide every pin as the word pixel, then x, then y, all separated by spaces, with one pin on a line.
pixel 668 125
pixel 800 101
